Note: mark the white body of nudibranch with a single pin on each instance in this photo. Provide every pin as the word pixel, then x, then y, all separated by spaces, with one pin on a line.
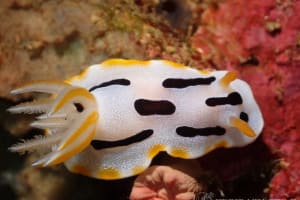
pixel 111 120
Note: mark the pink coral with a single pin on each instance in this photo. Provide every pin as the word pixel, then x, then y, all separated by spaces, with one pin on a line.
pixel 264 34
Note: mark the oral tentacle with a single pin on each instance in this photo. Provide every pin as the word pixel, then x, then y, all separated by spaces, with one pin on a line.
pixel 50 123
pixel 38 106
pixel 59 156
pixel 39 142
pixel 50 87
pixel 56 115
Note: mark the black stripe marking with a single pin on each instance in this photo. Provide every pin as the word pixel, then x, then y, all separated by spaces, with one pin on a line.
pixel 100 144
pixel 183 83
pixel 186 131
pixel 244 116
pixel 149 107
pixel 120 81
pixel 233 98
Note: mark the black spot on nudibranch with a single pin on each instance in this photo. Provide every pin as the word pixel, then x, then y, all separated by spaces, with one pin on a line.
pixel 233 98
pixel 183 83
pixel 100 144
pixel 121 81
pixel 79 107
pixel 186 131
pixel 244 117
pixel 149 107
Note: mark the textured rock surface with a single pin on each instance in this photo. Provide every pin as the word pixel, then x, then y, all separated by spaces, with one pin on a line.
pixel 259 39
pixel 58 39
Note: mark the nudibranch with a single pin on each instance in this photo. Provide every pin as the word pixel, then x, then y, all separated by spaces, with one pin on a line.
pixel 110 121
